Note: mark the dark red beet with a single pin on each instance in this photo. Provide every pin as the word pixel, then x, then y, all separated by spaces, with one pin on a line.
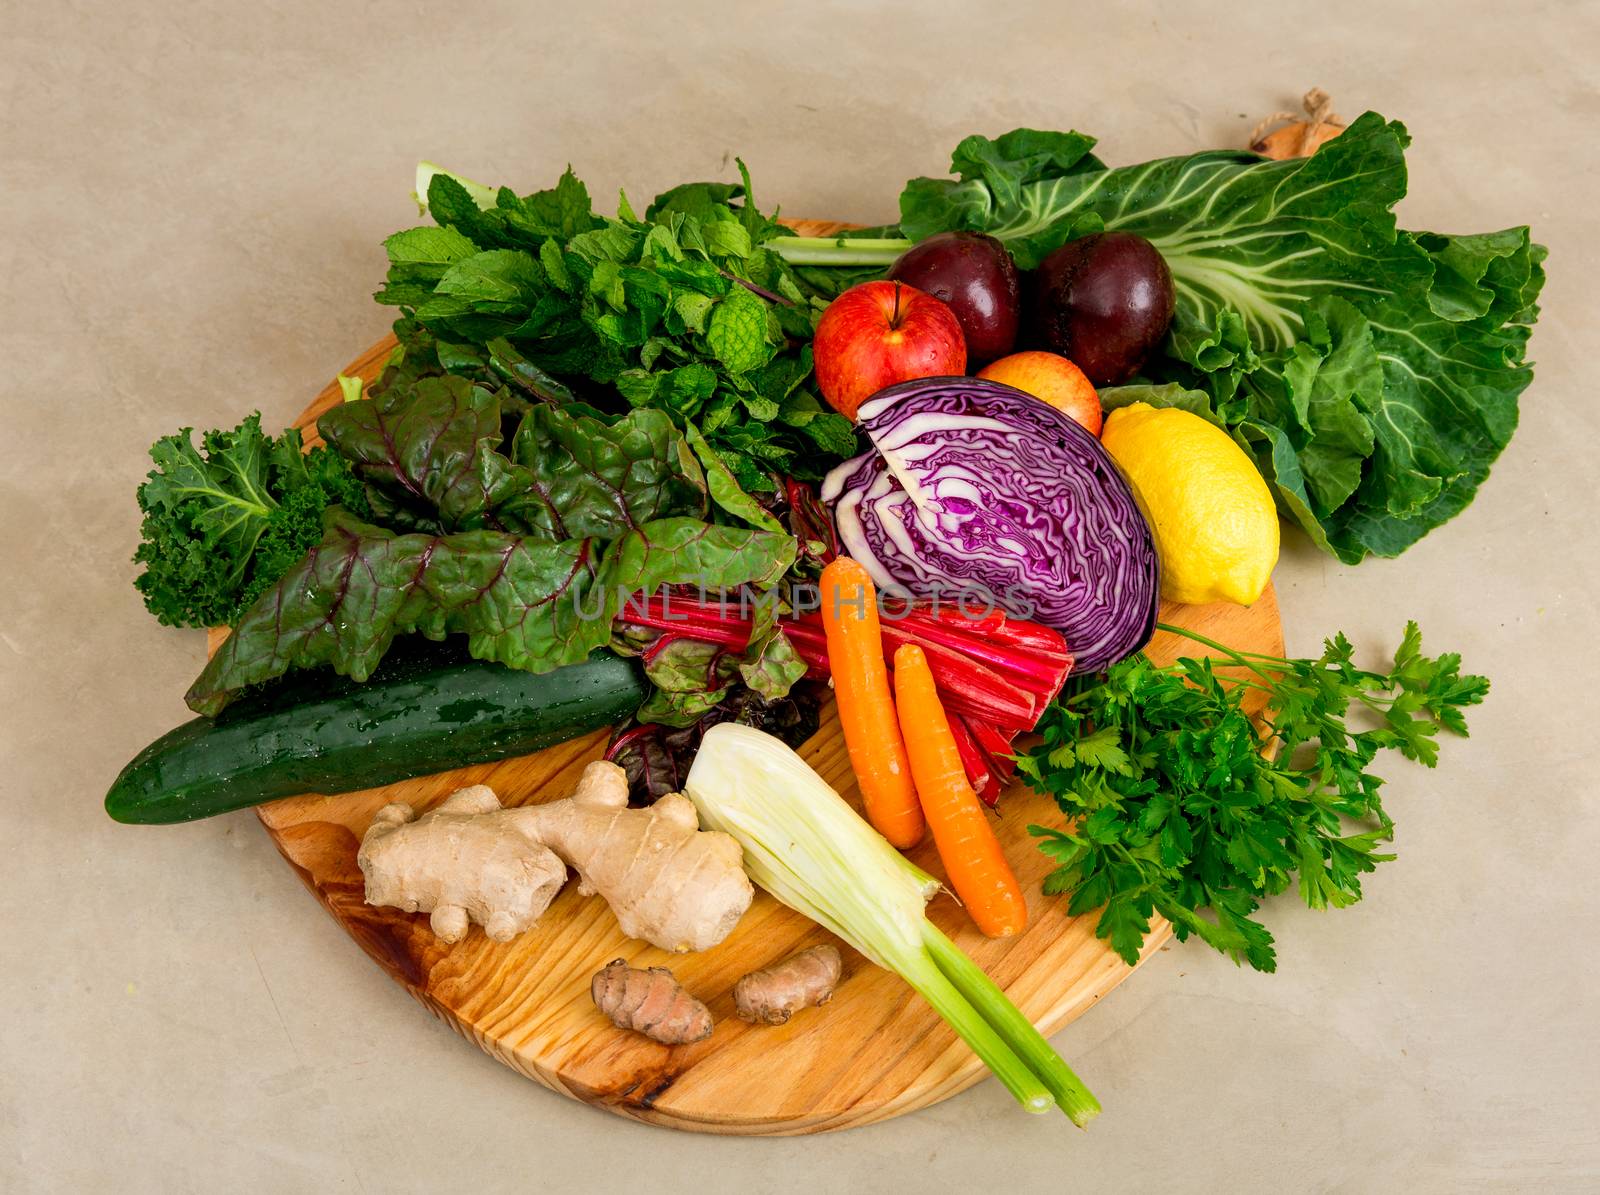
pixel 975 275
pixel 1104 301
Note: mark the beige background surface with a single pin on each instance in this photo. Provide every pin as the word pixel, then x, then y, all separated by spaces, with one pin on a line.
pixel 193 196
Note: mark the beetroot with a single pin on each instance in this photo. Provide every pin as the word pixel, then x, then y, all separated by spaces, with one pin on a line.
pixel 975 275
pixel 1103 301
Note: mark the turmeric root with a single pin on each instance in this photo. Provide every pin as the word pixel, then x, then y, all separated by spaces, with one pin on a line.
pixel 772 995
pixel 460 864
pixel 667 882
pixel 470 860
pixel 650 1002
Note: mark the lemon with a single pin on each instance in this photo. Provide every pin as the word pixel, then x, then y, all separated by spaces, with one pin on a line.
pixel 1215 527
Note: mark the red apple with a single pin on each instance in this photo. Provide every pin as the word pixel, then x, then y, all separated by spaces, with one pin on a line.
pixel 880 333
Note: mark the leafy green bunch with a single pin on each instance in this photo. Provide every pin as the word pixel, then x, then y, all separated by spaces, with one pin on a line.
pixel 527 541
pixel 1371 373
pixel 1183 804
pixel 686 310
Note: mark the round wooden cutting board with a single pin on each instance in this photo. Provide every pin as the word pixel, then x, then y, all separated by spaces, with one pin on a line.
pixel 876 1051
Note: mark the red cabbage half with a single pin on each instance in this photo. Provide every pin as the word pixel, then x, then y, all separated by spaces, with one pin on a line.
pixel 976 487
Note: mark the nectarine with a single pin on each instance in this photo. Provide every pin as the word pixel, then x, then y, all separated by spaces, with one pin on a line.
pixel 1051 378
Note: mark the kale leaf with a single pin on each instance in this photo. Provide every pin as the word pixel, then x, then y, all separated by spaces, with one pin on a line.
pixel 227 519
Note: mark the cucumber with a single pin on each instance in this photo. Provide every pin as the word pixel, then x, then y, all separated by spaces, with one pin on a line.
pixel 425 709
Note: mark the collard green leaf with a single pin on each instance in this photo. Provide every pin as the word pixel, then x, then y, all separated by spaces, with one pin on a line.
pixel 1168 394
pixel 1373 374
pixel 1005 183
pixel 1021 156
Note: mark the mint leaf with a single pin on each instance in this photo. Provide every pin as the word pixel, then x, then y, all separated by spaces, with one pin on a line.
pixel 738 332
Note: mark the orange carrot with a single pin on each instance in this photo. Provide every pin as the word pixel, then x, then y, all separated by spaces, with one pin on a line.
pixel 866 710
pixel 972 856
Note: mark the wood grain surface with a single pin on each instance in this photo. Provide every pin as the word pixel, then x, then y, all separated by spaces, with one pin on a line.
pixel 876 1051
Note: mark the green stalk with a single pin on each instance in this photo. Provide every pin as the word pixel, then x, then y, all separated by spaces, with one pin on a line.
pixel 839 251
pixel 1241 658
pixel 813 852
pixel 997 1052
pixel 985 997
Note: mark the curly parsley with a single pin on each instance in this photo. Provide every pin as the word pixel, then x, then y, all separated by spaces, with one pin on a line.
pixel 1184 805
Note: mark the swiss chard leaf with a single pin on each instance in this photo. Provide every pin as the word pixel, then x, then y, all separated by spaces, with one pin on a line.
pixel 431 449
pixel 590 478
pixel 527 603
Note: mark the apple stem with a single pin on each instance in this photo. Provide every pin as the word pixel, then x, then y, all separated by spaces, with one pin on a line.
pixel 894 317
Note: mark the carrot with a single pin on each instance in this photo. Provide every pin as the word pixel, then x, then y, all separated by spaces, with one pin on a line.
pixel 866 710
pixel 972 856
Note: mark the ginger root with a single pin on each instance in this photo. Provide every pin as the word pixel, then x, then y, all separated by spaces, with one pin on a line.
pixel 772 995
pixel 668 882
pixel 459 863
pixel 650 1002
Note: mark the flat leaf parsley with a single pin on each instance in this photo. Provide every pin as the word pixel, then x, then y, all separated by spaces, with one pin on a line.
pixel 1180 809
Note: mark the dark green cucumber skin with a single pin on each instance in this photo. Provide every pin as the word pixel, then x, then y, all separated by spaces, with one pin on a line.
pixel 425 709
